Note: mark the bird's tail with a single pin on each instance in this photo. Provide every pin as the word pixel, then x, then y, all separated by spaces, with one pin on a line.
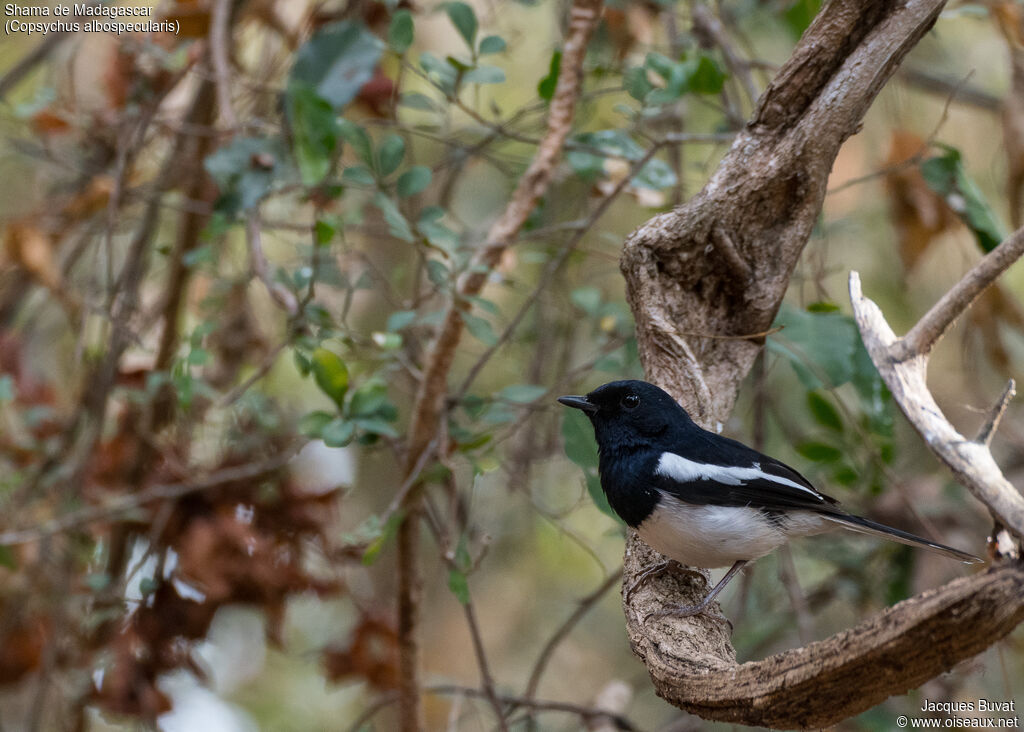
pixel 867 526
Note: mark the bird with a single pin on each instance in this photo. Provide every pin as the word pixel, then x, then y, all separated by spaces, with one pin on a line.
pixel 701 499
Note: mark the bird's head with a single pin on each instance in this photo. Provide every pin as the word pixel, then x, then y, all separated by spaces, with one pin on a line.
pixel 628 413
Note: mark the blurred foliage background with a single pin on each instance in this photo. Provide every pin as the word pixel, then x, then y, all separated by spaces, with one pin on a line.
pixel 226 249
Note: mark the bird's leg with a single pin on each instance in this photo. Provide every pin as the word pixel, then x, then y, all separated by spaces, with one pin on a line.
pixel 656 570
pixel 686 611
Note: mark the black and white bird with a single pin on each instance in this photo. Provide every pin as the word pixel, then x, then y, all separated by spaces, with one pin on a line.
pixel 701 499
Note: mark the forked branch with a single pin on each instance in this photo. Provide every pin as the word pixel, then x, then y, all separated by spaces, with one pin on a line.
pixel 756 213
pixel 903 365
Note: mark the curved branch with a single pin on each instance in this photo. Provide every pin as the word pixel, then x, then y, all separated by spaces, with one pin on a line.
pixel 756 214
pixel 823 682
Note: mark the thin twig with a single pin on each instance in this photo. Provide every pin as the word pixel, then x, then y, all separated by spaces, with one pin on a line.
pixel 430 398
pixel 220 44
pixel 258 261
pixel 553 266
pixel 486 680
pixel 563 630
pixel 992 423
pixel 541 705
pixel 126 503
pixel 926 333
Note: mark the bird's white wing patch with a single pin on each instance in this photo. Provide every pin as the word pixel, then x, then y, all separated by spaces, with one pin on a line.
pixel 679 468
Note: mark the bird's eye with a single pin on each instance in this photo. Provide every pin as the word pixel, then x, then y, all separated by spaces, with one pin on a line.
pixel 630 401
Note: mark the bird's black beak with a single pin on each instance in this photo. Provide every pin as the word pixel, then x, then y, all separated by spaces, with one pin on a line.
pixel 578 402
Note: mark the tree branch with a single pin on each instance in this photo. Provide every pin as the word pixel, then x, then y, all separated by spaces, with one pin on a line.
pixel 765 197
pixel 923 336
pixel 903 364
pixel 428 408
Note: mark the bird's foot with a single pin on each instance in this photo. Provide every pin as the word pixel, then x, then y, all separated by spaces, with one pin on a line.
pixel 656 570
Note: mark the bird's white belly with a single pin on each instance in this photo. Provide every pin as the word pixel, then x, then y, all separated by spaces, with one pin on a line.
pixel 718 536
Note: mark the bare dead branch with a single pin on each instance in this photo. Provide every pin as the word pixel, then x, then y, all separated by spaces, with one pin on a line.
pixel 970 461
pixel 923 336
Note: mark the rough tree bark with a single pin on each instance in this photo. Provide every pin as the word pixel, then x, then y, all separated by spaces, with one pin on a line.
pixel 719 266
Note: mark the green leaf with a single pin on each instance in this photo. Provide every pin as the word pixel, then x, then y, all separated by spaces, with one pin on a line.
pixel 413 181
pixel 546 86
pixel 578 439
pixel 437 273
pixel 459 585
pixel 396 222
pixel 824 413
pixel 313 423
pixel 491 44
pixel 480 329
pixel 314 125
pixel 6 388
pixel 598 495
pixel 945 174
pixel 484 75
pixel 369 400
pixel 700 74
pixel 384 535
pixel 324 232
pixel 245 170
pixel 97 581
pixel 636 83
pixel 464 20
pixel 400 319
pixel 7 557
pixel 390 155
pixel 438 71
pixel 799 15
pixel 819 452
pixel 416 100
pixel 705 75
pixel 302 363
pixel 376 426
pixel 197 357
pixel 336 61
pixel 358 175
pixel 400 32
pixel 358 138
pixel 821 347
pixel 338 432
pixel 522 393
pixel 331 374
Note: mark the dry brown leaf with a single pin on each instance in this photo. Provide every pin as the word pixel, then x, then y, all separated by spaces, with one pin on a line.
pixel 919 214
pixel 1009 16
pixel 29 246
pixel 46 122
pixel 371 654
pixel 994 307
pixel 93 199
pixel 21 647
pixel 193 17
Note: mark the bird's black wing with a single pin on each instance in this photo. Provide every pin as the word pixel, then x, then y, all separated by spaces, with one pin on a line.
pixel 717 471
